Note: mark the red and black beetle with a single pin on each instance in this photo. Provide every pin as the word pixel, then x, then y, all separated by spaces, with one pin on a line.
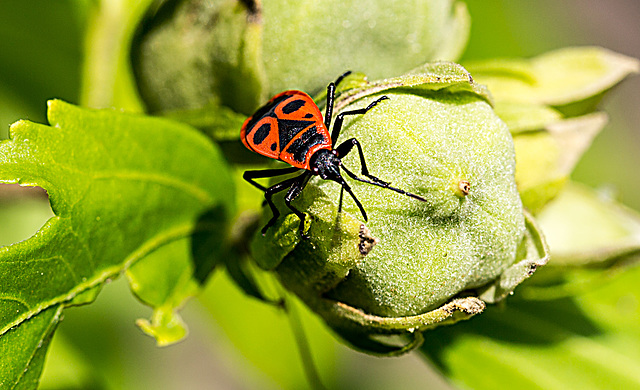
pixel 290 128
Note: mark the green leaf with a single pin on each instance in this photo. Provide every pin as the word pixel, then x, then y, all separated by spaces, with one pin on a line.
pixel 165 285
pixel 121 187
pixel 571 79
pixel 23 349
pixel 591 342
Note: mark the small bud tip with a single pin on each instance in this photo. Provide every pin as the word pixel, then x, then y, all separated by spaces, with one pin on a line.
pixel 464 187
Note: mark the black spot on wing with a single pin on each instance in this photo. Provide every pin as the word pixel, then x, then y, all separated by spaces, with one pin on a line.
pixel 309 115
pixel 293 106
pixel 274 146
pixel 288 129
pixel 300 147
pixel 261 134
pixel 264 111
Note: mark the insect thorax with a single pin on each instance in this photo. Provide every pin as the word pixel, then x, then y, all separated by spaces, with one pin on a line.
pixel 326 164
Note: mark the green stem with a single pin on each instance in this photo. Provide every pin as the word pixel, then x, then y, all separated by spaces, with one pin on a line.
pixel 313 377
pixel 107 79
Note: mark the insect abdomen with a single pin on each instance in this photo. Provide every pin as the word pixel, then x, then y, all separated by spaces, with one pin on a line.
pixel 289 127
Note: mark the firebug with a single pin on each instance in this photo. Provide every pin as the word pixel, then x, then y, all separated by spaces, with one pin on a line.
pixel 290 128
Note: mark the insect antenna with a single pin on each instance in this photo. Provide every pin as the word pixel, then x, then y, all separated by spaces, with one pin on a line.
pixel 383 185
pixel 346 187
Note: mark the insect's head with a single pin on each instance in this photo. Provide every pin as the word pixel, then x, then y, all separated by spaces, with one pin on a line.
pixel 326 164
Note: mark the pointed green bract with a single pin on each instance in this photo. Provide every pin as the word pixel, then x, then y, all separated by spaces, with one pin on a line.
pixel 545 158
pixel 587 228
pixel 548 103
pixel 567 78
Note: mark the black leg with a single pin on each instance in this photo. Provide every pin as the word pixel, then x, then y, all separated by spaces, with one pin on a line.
pixel 344 148
pixel 269 192
pixel 294 192
pixel 383 185
pixel 338 124
pixel 331 92
pixel 264 173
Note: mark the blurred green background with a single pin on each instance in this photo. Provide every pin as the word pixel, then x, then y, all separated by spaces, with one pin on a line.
pixel 41 57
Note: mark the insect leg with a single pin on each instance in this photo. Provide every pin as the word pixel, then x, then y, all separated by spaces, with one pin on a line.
pixel 294 192
pixel 269 192
pixel 338 124
pixel 383 185
pixel 264 173
pixel 344 148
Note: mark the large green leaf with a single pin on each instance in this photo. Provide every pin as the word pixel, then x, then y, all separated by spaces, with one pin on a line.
pixel 590 342
pixel 23 349
pixel 122 187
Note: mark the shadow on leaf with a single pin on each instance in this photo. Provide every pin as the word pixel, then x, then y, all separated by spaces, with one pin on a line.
pixel 519 324
pixel 207 240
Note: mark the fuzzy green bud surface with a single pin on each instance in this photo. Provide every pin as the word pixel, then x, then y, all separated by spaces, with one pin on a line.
pixel 436 136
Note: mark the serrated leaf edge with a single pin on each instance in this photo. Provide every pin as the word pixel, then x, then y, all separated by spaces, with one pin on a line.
pixel 179 232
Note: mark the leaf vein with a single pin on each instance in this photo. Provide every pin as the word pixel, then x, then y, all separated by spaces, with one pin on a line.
pixel 164 180
pixel 144 249
pixel 16 299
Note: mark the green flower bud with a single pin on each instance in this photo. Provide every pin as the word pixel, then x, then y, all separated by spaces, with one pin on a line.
pixel 239 53
pixel 438 137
